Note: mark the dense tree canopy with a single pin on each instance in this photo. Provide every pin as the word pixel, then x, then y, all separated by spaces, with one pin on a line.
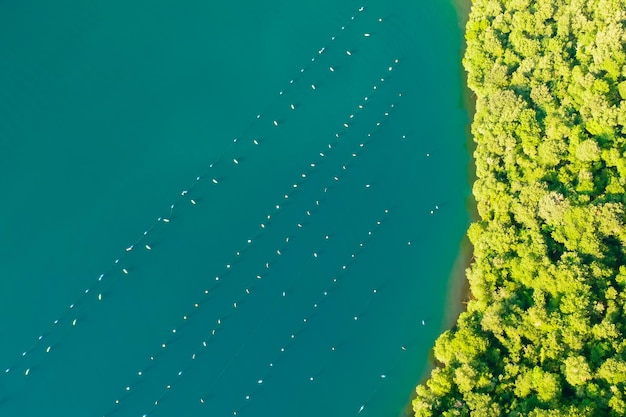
pixel 544 331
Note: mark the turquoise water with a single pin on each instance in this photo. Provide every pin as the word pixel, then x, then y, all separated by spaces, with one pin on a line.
pixel 110 111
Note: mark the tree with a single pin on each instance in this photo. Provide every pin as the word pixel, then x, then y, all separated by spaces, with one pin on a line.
pixel 544 332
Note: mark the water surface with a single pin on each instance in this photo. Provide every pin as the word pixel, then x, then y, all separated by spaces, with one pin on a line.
pixel 110 111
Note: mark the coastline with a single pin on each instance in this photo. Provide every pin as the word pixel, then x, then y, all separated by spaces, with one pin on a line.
pixel 458 292
pixel 458 286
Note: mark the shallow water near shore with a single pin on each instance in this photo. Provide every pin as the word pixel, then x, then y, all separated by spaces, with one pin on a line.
pixel 111 113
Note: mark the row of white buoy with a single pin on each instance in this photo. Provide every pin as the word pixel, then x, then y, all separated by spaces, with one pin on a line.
pixel 291 338
pixel 292 106
pixel 204 345
pixel 167 219
pixel 120 261
pixel 228 267
pixel 313 59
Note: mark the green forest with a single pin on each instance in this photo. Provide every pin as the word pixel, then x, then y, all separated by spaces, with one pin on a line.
pixel 544 329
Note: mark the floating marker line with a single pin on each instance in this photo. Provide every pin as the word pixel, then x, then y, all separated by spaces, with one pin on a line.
pixel 291 339
pixel 195 355
pixel 207 292
pixel 344 167
pixel 119 264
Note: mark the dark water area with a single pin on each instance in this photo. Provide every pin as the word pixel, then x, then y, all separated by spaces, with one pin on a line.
pixel 274 195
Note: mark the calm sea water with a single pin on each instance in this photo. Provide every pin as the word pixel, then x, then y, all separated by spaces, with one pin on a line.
pixel 110 110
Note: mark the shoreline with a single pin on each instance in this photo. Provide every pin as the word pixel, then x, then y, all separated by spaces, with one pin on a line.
pixel 458 286
pixel 458 291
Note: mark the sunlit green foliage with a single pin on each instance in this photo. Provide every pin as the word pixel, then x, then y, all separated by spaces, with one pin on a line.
pixel 544 332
